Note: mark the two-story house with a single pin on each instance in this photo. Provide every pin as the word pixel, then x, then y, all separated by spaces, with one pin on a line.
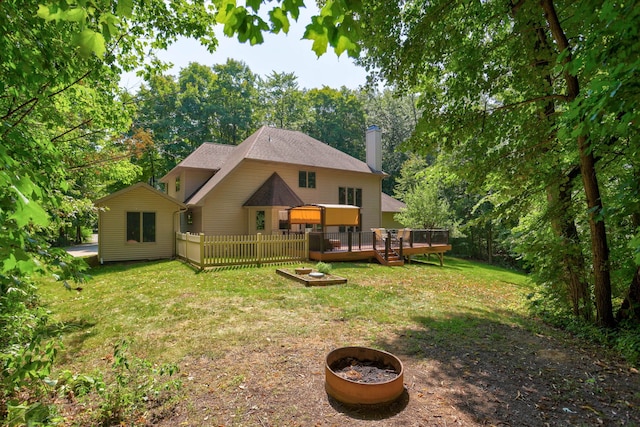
pixel 243 189
pixel 246 189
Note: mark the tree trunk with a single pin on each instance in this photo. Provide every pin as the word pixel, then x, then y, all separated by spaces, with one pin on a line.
pixel 490 243
pixel 599 247
pixel 564 227
pixel 630 308
pixel 559 190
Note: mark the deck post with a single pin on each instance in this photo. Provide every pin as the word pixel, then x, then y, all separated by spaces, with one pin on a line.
pixel 374 240
pixel 387 246
pixel 349 240
pixel 401 245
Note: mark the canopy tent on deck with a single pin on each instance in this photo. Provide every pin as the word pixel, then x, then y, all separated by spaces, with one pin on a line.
pixel 325 215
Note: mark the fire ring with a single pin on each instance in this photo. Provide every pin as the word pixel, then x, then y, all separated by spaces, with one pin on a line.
pixel 361 375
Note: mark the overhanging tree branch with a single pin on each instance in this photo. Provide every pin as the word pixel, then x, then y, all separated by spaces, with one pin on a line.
pixel 531 101
pixel 72 129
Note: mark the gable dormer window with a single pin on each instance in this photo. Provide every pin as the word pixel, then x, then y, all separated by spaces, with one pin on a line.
pixel 177 184
pixel 306 179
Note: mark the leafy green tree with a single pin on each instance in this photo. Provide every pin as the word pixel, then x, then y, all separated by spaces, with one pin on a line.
pixel 195 105
pixel 502 96
pixel 157 108
pixel 173 117
pixel 336 117
pixel 282 101
pixel 233 102
pixel 53 101
pixel 397 116
pixel 426 208
pixel 159 120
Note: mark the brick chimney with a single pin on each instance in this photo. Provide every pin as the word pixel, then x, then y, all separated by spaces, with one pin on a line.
pixel 374 148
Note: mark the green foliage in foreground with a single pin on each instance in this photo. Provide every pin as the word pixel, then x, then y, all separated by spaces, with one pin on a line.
pixel 133 383
pixel 123 393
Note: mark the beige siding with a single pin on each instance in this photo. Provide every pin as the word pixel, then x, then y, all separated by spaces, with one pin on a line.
pixel 112 226
pixel 190 181
pixel 388 220
pixel 193 180
pixel 171 187
pixel 196 221
pixel 224 214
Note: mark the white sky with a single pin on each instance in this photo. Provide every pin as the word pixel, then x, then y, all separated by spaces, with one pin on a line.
pixel 281 53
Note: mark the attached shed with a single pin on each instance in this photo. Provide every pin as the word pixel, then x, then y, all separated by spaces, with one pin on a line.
pixel 137 223
pixel 391 207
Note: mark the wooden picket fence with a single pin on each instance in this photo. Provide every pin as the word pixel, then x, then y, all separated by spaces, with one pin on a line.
pixel 213 251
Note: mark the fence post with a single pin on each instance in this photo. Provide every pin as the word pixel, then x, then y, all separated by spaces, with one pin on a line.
pixel 201 251
pixel 259 248
pixel 186 246
pixel 306 246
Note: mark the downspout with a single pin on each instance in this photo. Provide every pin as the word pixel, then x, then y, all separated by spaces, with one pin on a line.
pixel 99 238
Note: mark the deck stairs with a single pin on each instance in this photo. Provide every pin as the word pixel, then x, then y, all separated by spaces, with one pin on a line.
pixel 393 260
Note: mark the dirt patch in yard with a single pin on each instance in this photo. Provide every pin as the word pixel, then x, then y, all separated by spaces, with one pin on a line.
pixel 503 375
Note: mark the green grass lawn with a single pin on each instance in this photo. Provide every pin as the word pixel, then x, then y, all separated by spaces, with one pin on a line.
pixel 168 311
pixel 248 346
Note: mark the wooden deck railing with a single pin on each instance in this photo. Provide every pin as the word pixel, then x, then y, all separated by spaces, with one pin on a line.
pixel 210 251
pixel 384 239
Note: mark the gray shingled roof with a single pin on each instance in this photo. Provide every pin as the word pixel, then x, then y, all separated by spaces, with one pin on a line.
pixel 274 192
pixel 143 185
pixel 208 156
pixel 280 145
pixel 283 146
pixel 389 204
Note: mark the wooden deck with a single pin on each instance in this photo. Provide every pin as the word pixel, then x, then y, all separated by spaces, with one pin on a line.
pixel 368 254
pixel 339 247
